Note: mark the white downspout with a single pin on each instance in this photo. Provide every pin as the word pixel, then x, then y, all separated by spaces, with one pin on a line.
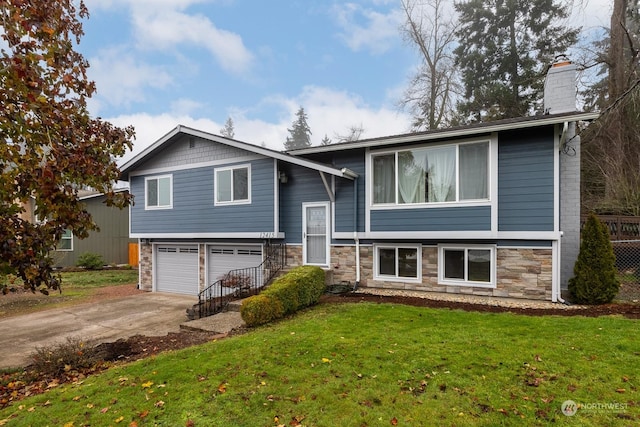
pixel 556 286
pixel 355 231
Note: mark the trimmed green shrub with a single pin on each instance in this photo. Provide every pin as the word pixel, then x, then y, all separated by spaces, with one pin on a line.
pixel 299 288
pixel 594 278
pixel 260 309
pixel 90 261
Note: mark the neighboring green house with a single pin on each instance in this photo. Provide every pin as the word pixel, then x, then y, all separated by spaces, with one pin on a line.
pixel 111 242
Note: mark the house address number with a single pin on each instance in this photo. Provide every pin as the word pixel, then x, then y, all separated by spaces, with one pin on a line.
pixel 268 235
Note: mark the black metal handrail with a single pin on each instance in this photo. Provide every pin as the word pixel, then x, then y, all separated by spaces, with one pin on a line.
pixel 241 282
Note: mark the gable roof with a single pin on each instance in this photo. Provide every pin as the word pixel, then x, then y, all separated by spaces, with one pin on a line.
pixel 180 130
pixel 454 132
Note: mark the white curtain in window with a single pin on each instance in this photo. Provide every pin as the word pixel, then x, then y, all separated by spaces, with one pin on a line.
pixel 442 171
pixel 412 166
pixel 474 171
pixel 384 179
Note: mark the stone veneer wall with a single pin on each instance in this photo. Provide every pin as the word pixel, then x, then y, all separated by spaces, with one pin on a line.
pixel 521 273
pixel 202 253
pixel 145 267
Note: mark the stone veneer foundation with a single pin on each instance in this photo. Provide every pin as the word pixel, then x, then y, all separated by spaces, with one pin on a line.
pixel 145 267
pixel 521 272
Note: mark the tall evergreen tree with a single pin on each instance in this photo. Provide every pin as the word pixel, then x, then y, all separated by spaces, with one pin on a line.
pixel 326 140
pixel 300 133
pixel 505 47
pixel 228 129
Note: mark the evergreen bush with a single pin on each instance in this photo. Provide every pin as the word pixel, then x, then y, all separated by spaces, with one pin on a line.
pixel 594 278
pixel 90 261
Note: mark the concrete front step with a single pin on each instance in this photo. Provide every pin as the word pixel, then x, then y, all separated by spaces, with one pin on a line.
pixel 234 305
pixel 221 323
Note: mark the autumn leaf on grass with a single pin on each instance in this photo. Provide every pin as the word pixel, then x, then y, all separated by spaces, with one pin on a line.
pixel 325 360
pixel 222 388
pixel 147 384
pixel 394 421
pixel 118 420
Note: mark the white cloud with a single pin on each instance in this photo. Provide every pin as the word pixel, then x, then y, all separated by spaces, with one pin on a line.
pixel 329 112
pixel 364 28
pixel 162 29
pixel 121 79
pixel 166 25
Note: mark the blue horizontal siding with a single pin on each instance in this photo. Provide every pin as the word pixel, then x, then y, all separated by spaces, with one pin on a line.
pixel 432 219
pixel 193 204
pixel 303 186
pixel 525 181
pixel 355 161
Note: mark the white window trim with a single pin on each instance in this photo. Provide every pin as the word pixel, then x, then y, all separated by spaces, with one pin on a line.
pixel 146 190
pixel 466 202
pixel 215 186
pixel 464 282
pixel 66 238
pixel 396 246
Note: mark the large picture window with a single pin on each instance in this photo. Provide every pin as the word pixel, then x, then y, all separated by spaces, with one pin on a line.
pixel 159 192
pixel 467 266
pixel 232 185
pixel 398 263
pixel 451 173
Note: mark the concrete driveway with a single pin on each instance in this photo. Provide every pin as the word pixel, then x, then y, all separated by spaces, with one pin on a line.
pixel 151 314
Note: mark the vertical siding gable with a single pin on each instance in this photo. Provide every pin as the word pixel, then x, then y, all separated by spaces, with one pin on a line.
pixel 193 204
pixel 526 180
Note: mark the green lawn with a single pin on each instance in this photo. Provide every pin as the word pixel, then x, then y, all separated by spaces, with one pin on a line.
pixel 370 365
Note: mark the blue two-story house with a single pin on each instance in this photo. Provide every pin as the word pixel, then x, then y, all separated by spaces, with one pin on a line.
pixel 489 209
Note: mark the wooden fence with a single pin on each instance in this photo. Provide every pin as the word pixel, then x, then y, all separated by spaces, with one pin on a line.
pixel 620 227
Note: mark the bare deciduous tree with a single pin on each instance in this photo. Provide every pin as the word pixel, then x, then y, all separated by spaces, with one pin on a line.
pixel 432 91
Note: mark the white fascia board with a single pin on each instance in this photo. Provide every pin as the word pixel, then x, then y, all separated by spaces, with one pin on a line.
pixel 249 235
pixel 450 235
pixel 447 134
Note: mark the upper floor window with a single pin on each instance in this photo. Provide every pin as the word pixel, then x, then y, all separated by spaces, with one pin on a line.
pixel 159 192
pixel 451 173
pixel 232 185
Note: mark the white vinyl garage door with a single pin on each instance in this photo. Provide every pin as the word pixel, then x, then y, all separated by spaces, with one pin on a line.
pixel 223 259
pixel 177 269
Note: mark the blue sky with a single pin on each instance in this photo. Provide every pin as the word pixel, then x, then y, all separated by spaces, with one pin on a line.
pixel 160 63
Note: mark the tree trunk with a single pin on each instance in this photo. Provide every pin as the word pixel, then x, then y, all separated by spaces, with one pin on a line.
pixel 617 81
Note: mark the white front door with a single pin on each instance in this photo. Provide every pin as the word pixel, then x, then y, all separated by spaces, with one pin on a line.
pixel 315 233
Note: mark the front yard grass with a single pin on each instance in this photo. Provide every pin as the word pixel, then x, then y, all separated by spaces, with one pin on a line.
pixel 77 286
pixel 369 365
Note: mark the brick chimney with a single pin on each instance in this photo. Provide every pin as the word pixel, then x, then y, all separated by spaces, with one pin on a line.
pixel 560 87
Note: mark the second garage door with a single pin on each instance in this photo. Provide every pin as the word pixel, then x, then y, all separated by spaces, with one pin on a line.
pixel 223 259
pixel 177 269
